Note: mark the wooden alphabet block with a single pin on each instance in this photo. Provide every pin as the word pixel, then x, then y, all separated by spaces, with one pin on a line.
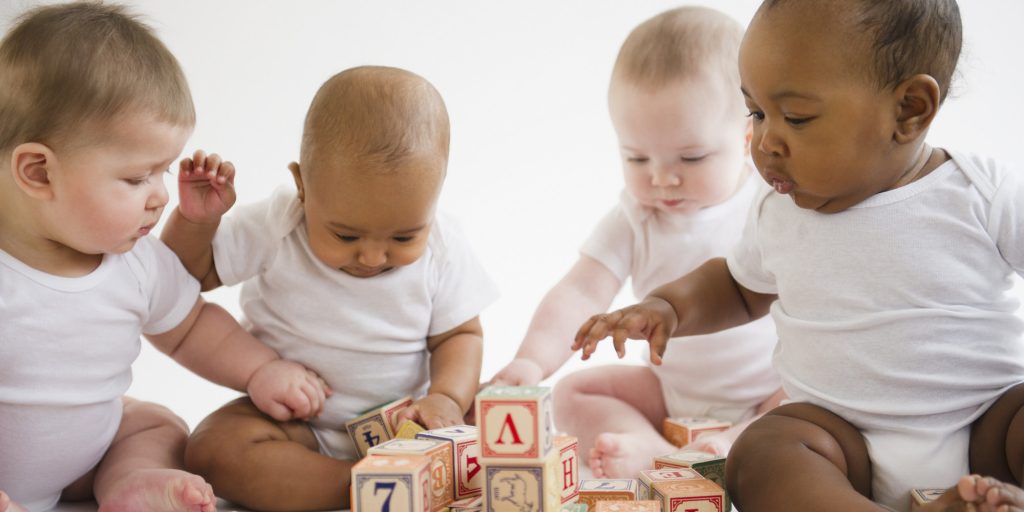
pixel 709 466
pixel 442 469
pixel 523 486
pixel 408 430
pixel 628 506
pixel 465 442
pixel 515 422
pixel 474 504
pixel 919 497
pixel 649 476
pixel 574 507
pixel 697 495
pixel 391 484
pixel 569 466
pixel 593 490
pixel 683 431
pixel 376 425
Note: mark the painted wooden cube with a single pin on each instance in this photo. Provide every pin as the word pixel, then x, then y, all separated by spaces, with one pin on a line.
pixel 920 497
pixel 465 443
pixel 696 495
pixel 649 476
pixel 376 425
pixel 593 490
pixel 569 466
pixel 524 485
pixel 515 422
pixel 467 504
pixel 709 466
pixel 408 430
pixel 628 506
pixel 442 469
pixel 391 484
pixel 574 507
pixel 683 431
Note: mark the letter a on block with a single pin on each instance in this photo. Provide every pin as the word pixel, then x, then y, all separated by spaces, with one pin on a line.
pixel 511 425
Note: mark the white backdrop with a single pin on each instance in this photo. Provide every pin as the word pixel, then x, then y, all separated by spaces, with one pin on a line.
pixel 533 160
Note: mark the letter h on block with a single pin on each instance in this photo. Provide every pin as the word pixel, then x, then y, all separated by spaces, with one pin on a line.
pixel 383 483
pixel 515 422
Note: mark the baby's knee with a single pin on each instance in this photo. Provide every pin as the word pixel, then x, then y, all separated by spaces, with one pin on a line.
pixel 143 416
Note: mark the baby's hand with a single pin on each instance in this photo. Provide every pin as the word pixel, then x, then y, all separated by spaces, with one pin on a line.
pixel 433 411
pixel 286 390
pixel 206 187
pixel 653 320
pixel 519 372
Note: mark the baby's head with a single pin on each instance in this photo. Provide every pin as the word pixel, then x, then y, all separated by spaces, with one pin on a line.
pixel 842 93
pixel 374 155
pixel 675 104
pixel 93 111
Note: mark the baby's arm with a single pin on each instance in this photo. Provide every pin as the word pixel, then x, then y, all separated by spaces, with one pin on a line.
pixel 455 359
pixel 212 344
pixel 587 288
pixel 704 301
pixel 205 193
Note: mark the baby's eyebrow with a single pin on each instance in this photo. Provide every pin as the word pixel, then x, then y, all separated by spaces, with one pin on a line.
pixel 345 227
pixel 787 94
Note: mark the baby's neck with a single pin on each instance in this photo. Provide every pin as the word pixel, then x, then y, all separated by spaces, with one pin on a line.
pixel 21 238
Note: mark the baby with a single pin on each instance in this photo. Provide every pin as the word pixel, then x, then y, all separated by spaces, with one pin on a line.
pixel 352 273
pixel 885 262
pixel 93 109
pixel 678 113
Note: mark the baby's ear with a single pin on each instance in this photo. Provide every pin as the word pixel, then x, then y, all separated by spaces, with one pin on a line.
pixel 297 176
pixel 31 165
pixel 919 101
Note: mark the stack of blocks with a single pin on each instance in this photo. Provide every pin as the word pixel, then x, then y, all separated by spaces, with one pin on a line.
pixel 683 431
pixel 527 468
pixel 711 467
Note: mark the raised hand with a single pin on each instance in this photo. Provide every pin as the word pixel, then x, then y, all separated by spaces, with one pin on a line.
pixel 206 187
pixel 286 390
pixel 653 320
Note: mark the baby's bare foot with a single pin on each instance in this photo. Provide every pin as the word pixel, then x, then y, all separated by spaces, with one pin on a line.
pixel 975 493
pixel 715 444
pixel 6 505
pixel 620 455
pixel 160 490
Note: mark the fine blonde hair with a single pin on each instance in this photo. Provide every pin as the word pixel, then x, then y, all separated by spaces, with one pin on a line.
pixel 67 69
pixel 679 44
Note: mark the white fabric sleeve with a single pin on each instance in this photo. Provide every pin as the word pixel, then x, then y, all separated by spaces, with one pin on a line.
pixel 171 290
pixel 745 262
pixel 246 241
pixel 611 243
pixel 1006 223
pixel 463 287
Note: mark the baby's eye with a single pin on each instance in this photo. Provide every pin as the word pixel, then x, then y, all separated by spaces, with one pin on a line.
pixel 637 159
pixel 402 239
pixel 797 121
pixel 692 159
pixel 347 238
pixel 756 115
pixel 135 182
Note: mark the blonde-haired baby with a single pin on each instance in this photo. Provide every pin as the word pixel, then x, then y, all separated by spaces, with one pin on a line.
pixel 93 110
pixel 676 108
pixel 352 272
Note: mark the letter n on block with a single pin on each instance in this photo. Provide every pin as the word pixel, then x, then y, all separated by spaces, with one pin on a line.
pixel 384 483
pixel 515 422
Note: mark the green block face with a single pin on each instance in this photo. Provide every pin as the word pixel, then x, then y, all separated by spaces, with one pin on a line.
pixel 714 470
pixel 514 392
pixel 574 507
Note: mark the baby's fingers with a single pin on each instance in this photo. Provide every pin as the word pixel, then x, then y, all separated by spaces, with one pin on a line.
pixel 658 341
pixel 299 404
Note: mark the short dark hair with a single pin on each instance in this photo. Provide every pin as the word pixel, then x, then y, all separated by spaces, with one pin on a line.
pixel 910 37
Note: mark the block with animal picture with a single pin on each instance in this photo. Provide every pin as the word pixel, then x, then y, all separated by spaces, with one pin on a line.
pixel 628 506
pixel 465 443
pixel 569 466
pixel 695 495
pixel 382 483
pixel 376 425
pixel 593 490
pixel 523 485
pixel 515 422
pixel 683 431
pixel 649 476
pixel 441 465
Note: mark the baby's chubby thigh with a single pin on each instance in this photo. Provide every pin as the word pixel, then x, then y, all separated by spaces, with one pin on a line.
pixel 904 460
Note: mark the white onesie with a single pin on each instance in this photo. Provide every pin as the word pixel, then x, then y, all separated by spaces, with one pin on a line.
pixel 726 374
pixel 367 337
pixel 897 314
pixel 66 348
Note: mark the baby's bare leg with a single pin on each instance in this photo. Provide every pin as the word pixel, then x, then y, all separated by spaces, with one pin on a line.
pixel 260 463
pixel 142 468
pixel 800 457
pixel 6 505
pixel 720 443
pixel 617 412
